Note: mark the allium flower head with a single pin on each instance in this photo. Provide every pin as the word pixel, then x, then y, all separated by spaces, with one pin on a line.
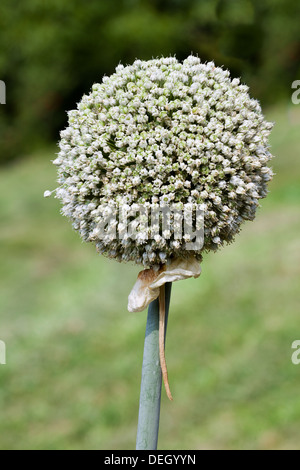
pixel 163 132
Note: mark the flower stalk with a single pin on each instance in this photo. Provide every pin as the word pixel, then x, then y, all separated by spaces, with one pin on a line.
pixel 150 396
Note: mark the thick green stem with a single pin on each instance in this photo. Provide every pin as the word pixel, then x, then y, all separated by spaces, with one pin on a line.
pixel 150 398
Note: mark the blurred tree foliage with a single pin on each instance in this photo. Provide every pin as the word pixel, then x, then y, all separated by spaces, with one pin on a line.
pixel 52 51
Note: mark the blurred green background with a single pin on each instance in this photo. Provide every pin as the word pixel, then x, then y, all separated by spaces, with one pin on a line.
pixel 74 353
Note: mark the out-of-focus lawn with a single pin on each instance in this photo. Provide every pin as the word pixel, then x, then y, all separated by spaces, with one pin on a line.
pixel 74 353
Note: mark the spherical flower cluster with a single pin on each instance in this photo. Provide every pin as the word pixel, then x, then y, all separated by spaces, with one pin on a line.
pixel 162 132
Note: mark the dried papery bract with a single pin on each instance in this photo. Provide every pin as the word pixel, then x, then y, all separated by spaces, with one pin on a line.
pixel 162 326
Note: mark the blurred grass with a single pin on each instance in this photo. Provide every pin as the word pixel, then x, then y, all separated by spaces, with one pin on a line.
pixel 74 353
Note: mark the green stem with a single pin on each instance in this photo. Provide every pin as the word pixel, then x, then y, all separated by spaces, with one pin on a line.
pixel 150 398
